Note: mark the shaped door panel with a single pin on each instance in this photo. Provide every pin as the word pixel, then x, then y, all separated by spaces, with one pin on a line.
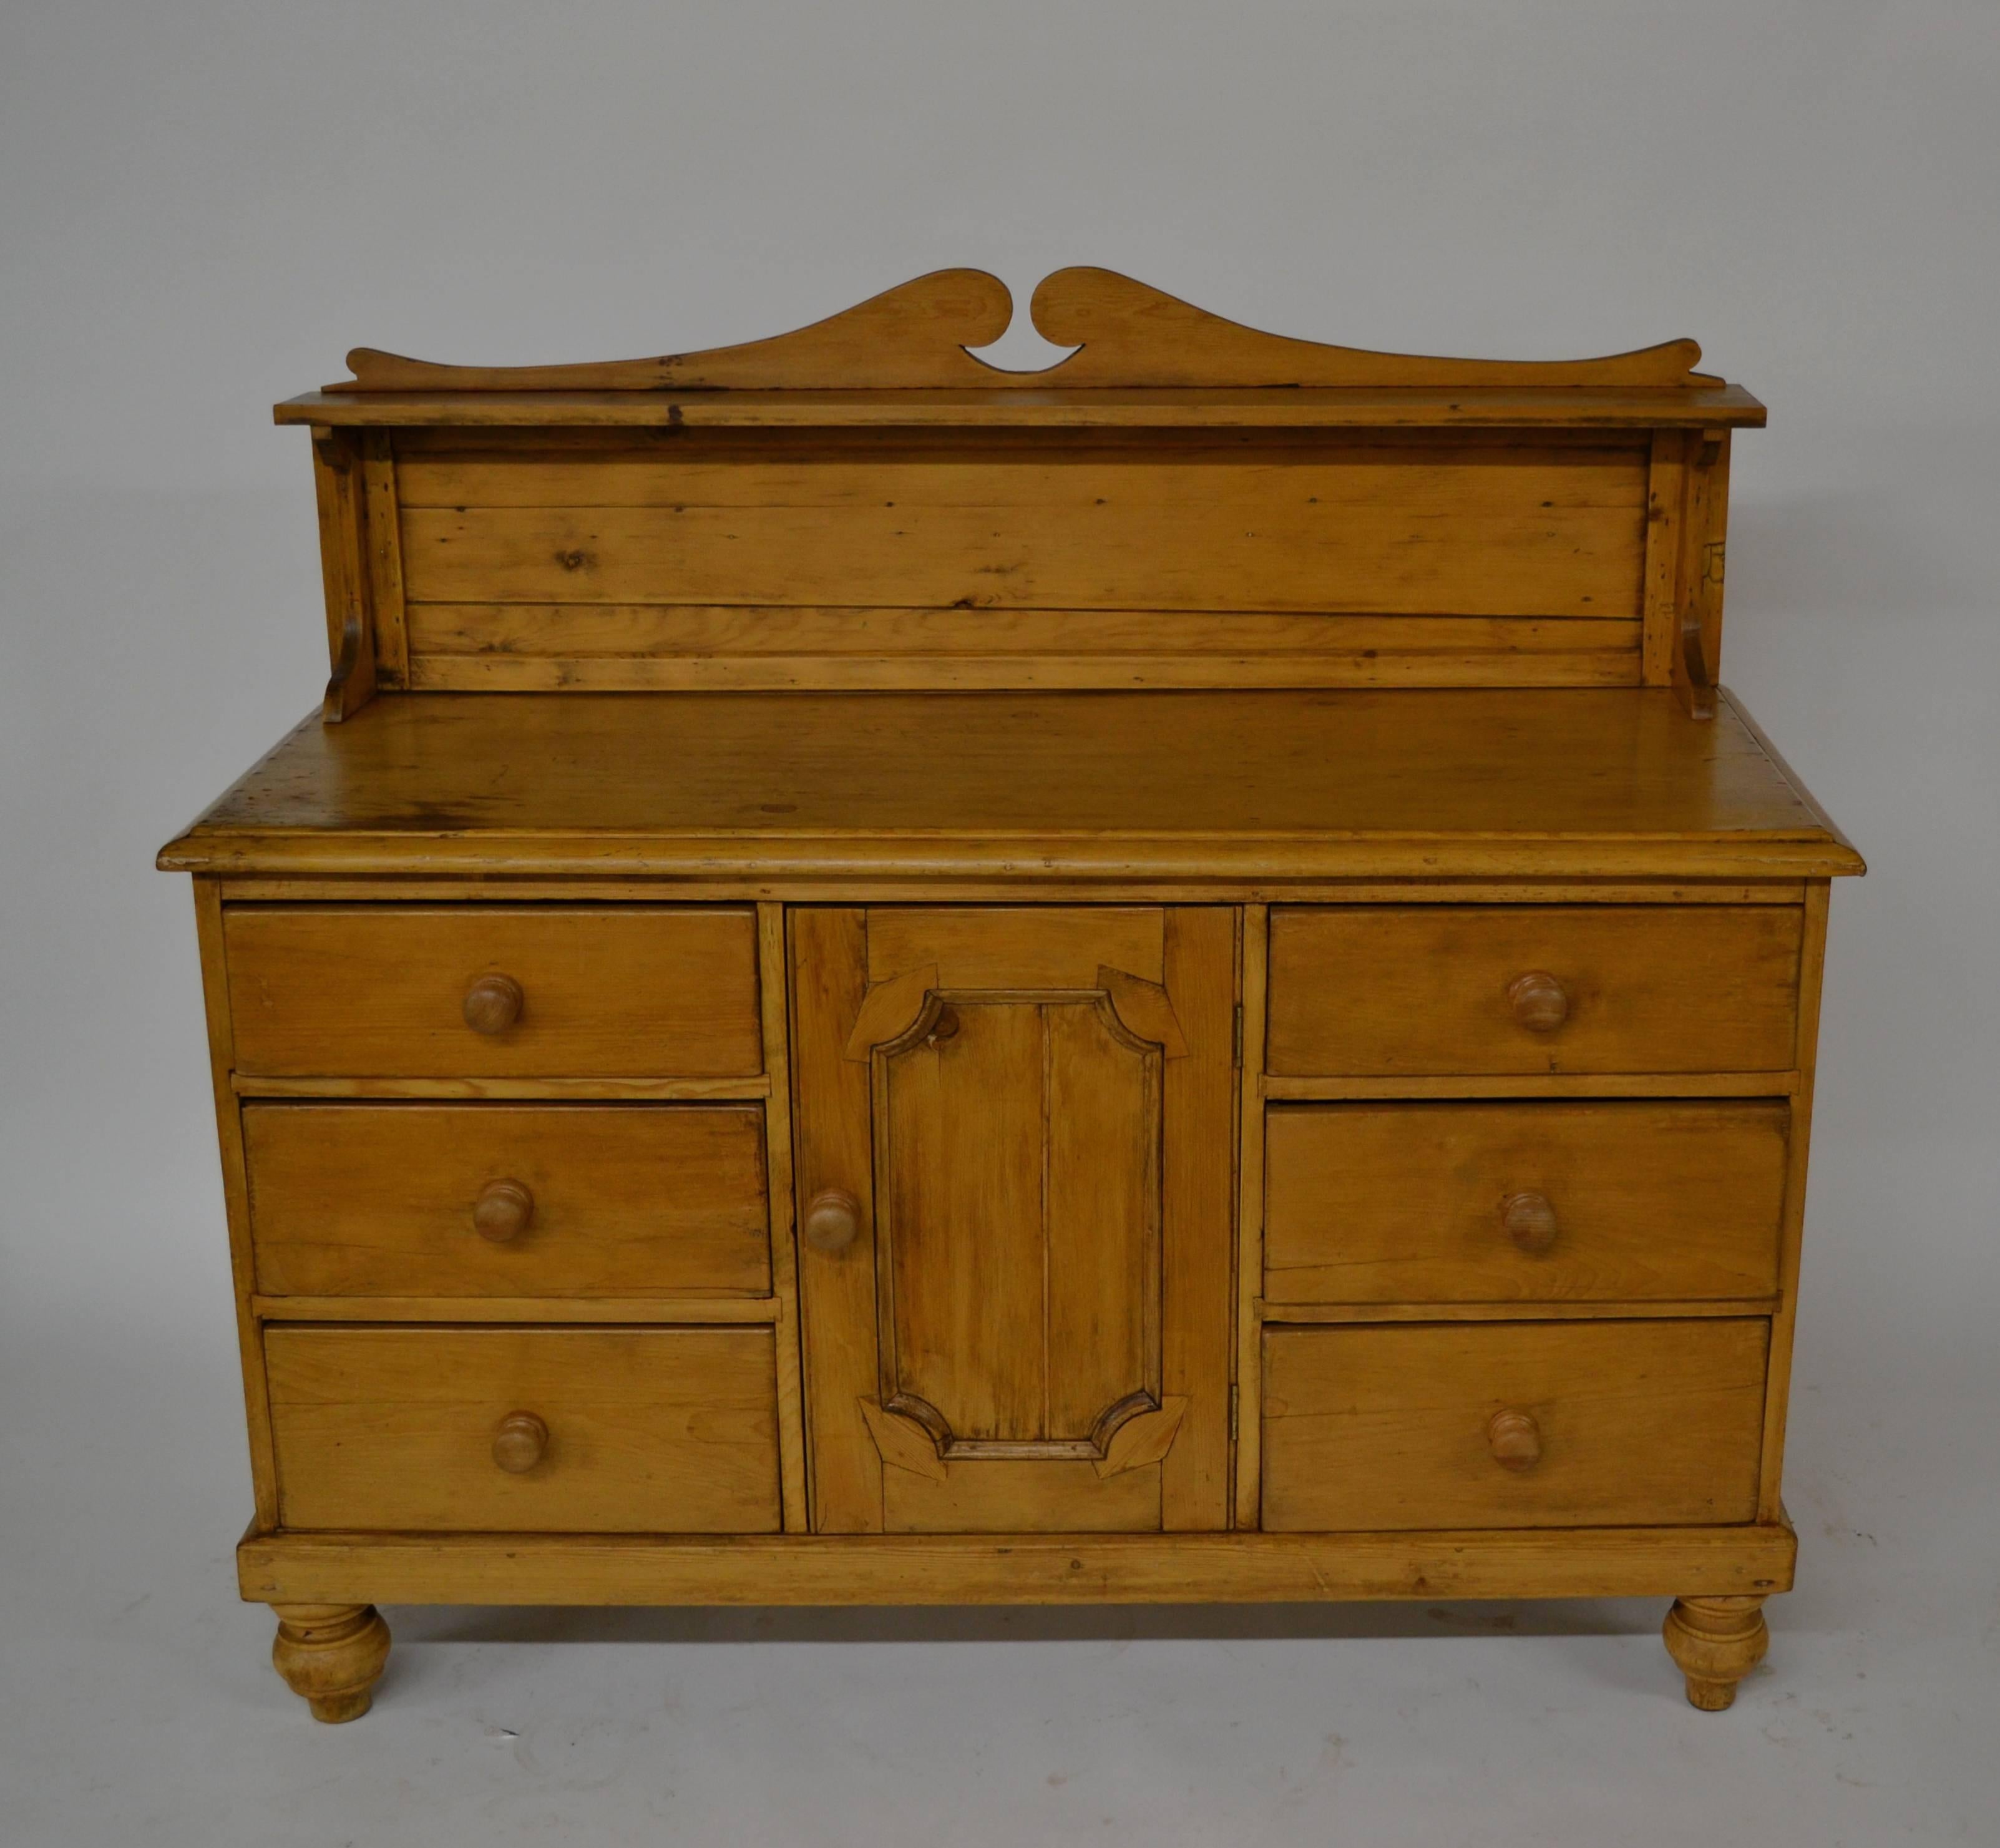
pixel 1017 1318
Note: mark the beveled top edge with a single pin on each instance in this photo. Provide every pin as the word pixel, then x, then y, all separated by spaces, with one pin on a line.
pixel 1722 407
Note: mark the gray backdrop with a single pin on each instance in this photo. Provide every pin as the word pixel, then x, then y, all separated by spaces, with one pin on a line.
pixel 203 206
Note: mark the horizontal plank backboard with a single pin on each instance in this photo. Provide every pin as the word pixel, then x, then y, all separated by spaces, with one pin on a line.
pixel 546 560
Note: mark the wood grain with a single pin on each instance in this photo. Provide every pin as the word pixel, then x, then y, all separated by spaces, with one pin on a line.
pixel 1014 408
pixel 1386 1427
pixel 828 964
pixel 656 1430
pixel 1079 1568
pixel 1400 1203
pixel 369 1200
pixel 1129 332
pixel 1405 988
pixel 586 647
pixel 1024 1496
pixel 1199 1133
pixel 610 990
pixel 1482 530
pixel 1092 787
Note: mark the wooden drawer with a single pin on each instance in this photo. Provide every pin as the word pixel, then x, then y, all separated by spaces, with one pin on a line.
pixel 381 991
pixel 1385 1202
pixel 1432 989
pixel 1636 1423
pixel 648 1431
pixel 508 1200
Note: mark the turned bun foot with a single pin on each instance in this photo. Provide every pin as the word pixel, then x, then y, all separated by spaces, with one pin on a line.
pixel 332 1655
pixel 1715 1642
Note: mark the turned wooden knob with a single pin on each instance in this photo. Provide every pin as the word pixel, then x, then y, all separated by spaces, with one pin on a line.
pixel 493 1003
pixel 502 1210
pixel 833 1221
pixel 1539 1001
pixel 1530 1220
pixel 520 1440
pixel 1515 1439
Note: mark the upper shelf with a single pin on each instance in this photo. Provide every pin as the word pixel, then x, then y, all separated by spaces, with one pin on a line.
pixel 1141 359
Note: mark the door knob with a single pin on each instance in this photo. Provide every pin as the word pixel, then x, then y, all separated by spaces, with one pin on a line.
pixel 833 1221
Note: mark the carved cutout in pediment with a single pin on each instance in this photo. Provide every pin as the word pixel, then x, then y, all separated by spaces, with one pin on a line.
pixel 1128 335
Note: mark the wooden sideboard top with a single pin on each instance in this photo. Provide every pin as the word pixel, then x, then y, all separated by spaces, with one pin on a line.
pixel 1195 790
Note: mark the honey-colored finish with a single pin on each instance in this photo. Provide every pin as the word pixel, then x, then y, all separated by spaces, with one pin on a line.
pixel 371 991
pixel 648 1431
pixel 1628 1422
pixel 1035 1495
pixel 1522 1202
pixel 1024 1568
pixel 1096 790
pixel 879 981
pixel 771 995
pixel 1715 1642
pixel 1128 334
pixel 1439 989
pixel 235 1196
pixel 666 648
pixel 1050 1212
pixel 331 1655
pixel 1480 530
pixel 508 1199
pixel 837 1295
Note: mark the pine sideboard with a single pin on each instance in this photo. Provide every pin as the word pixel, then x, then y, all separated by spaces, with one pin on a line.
pixel 884 982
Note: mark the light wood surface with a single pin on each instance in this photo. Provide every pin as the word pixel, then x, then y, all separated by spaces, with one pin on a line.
pixel 1246 1373
pixel 1025 1568
pixel 1480 530
pixel 1715 1642
pixel 1400 1203
pixel 331 1655
pixel 772 989
pixel 1812 973
pixel 1128 332
pixel 1383 1427
pixel 1050 1210
pixel 666 648
pixel 835 1143
pixel 651 1431
pixel 1435 989
pixel 1089 787
pixel 384 1200
pixel 880 981
pixel 210 941
pixel 370 991
pixel 1500 407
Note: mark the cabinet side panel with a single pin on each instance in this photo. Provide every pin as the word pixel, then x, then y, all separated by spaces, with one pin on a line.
pixel 1812 965
pixel 236 1196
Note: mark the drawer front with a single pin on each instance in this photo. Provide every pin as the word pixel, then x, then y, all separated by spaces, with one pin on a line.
pixel 1448 989
pixel 647 1431
pixel 1414 1202
pixel 508 1200
pixel 1513 1424
pixel 603 990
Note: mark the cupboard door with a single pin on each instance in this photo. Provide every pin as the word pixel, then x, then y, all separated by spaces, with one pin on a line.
pixel 1014 1172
